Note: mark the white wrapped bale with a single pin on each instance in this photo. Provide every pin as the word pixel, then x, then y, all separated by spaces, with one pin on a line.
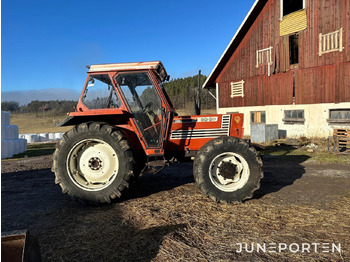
pixel 22 145
pixel 59 136
pixel 16 146
pixel 10 148
pixel 52 137
pixel 43 137
pixel 5 118
pixel 4 149
pixel 10 144
pixel 31 138
pixel 12 132
pixel 3 132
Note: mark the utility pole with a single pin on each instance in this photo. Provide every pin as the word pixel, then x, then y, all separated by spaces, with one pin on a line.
pixel 198 96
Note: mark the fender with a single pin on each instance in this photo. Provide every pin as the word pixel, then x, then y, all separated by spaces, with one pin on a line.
pixel 115 117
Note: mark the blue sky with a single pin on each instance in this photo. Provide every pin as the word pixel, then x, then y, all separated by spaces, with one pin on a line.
pixel 47 44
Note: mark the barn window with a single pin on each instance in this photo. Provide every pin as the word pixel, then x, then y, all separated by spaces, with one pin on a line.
pixel 237 89
pixel 257 117
pixel 339 116
pixel 331 42
pixel 294 117
pixel 290 6
pixel 293 49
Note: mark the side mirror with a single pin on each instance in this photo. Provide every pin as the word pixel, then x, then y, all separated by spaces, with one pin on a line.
pixel 91 81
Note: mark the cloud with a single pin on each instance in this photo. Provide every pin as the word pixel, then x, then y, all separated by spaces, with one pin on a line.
pixel 26 96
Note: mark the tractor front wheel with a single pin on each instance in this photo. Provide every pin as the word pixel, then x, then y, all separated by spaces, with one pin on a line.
pixel 227 169
pixel 93 162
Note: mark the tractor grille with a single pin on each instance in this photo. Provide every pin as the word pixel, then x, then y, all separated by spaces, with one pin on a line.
pixel 204 133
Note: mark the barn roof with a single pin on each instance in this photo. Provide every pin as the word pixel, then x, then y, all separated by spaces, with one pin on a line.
pixel 235 41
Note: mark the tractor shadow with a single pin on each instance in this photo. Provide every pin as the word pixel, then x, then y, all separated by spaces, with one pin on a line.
pixel 171 177
pixel 280 170
pixel 100 233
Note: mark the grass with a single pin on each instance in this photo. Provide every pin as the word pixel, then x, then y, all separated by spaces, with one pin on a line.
pixel 29 123
pixel 32 124
pixel 38 149
pixel 312 150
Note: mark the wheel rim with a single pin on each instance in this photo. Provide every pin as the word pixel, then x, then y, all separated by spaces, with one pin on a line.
pixel 229 171
pixel 92 164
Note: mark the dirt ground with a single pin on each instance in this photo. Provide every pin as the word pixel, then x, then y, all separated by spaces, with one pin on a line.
pixel 165 217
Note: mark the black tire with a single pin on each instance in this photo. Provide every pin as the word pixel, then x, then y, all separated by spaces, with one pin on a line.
pixel 227 170
pixel 93 162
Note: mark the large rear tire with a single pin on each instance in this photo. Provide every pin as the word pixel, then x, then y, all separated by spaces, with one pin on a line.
pixel 228 170
pixel 93 162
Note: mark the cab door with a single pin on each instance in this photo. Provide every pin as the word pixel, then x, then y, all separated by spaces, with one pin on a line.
pixel 145 104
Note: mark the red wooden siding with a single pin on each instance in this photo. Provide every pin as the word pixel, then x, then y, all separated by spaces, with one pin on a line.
pixel 316 79
pixel 326 84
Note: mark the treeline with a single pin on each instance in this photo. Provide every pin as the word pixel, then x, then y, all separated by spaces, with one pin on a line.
pixel 183 90
pixel 40 108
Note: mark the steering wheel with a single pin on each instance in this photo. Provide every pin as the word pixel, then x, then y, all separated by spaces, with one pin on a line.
pixel 147 107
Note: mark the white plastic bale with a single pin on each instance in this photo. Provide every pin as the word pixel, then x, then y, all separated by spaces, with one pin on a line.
pixel 43 137
pixel 22 145
pixel 11 148
pixel 15 146
pixel 58 136
pixel 13 132
pixel 4 148
pixel 5 118
pixel 52 136
pixel 7 132
pixel 16 131
pixel 31 138
pixel 3 132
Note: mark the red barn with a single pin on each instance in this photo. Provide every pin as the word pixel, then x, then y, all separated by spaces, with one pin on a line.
pixel 288 64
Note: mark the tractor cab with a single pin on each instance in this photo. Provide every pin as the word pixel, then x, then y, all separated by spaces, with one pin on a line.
pixel 130 95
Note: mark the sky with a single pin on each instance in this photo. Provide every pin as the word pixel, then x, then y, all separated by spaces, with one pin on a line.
pixel 47 44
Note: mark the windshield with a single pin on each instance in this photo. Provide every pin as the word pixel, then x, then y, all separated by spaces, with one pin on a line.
pixel 100 93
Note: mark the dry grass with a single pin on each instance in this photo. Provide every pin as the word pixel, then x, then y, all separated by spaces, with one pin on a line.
pixel 158 222
pixel 210 231
pixel 182 225
pixel 31 124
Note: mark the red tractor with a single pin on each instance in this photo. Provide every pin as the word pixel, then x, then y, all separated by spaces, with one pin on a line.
pixel 125 125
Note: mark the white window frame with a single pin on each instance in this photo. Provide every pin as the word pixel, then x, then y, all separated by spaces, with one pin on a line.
pixel 237 89
pixel 331 42
pixel 281 10
pixel 260 58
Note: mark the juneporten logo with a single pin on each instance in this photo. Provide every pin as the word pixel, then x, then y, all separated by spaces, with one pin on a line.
pixel 292 247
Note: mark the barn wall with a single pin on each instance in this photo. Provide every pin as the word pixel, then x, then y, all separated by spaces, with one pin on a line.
pixel 316 79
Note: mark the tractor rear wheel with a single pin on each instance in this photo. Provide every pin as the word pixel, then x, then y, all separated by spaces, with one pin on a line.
pixel 227 169
pixel 93 162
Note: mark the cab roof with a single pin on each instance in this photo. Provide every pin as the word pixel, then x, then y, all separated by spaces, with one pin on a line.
pixel 157 66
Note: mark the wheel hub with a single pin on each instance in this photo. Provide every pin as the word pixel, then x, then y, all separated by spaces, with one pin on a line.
pixel 228 170
pixel 95 163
